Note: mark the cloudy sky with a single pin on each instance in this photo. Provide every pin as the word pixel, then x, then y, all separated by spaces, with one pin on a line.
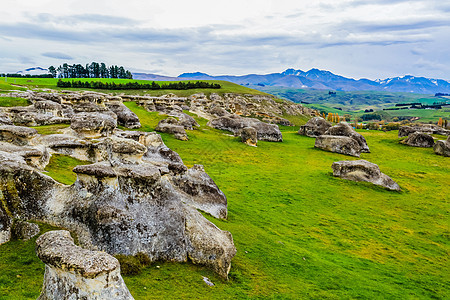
pixel 353 38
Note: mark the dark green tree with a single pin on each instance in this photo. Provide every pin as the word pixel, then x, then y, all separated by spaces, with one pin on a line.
pixel 52 71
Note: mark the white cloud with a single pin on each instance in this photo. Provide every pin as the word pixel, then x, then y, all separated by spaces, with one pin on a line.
pixel 380 37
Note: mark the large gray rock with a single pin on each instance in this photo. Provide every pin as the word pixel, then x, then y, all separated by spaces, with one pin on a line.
pixel 72 272
pixel 363 170
pixel 135 198
pixel 422 128
pixel 442 147
pixel 339 144
pixel 234 123
pixel 314 127
pixel 125 116
pixel 418 139
pixel 344 129
pixel 18 135
pixel 249 136
pixel 172 126
pixel 93 124
pixel 4 119
pixel 202 192
pixel 24 230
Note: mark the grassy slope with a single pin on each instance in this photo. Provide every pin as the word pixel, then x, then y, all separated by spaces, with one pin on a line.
pixel 13 101
pixel 300 232
pixel 50 83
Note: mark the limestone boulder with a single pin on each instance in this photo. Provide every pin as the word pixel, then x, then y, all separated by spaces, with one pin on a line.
pixel 37 157
pixel 418 139
pixel 249 136
pixel 122 206
pixel 93 124
pixel 125 116
pixel 18 135
pixel 72 272
pixel 4 119
pixel 24 230
pixel 442 147
pixel 172 126
pixel 186 121
pixel 314 127
pixel 363 170
pixel 406 130
pixel 201 192
pixel 234 123
pixel 338 144
pixel 344 129
pixel 422 128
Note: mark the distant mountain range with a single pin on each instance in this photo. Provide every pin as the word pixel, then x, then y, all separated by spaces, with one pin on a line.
pixel 321 80
pixel 33 71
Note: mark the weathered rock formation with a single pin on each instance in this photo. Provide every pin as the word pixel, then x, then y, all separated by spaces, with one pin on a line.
pixel 137 196
pixel 362 170
pixel 4 119
pixel 72 272
pixel 339 144
pixel 93 124
pixel 418 139
pixel 249 136
pixel 314 127
pixel 344 129
pixel 125 116
pixel 262 106
pixel 172 126
pixel 53 108
pixel 234 123
pixel 17 135
pixel 423 128
pixel 442 147
pixel 22 230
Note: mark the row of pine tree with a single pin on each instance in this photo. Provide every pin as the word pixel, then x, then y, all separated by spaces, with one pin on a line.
pixel 93 70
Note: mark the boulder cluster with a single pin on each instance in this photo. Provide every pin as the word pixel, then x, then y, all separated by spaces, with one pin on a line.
pixel 340 138
pixel 420 136
pixel 58 108
pixel 136 196
pixel 72 272
pixel 230 112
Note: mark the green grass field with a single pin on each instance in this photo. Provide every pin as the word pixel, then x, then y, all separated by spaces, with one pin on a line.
pixel 50 83
pixel 13 101
pixel 300 233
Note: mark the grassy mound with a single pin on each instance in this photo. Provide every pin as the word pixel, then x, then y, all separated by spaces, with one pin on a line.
pixel 300 232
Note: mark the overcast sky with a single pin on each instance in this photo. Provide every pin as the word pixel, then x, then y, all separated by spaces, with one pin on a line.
pixel 353 38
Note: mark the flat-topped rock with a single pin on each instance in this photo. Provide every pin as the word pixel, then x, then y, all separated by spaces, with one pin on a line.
pixel 4 119
pixel 419 139
pixel 18 135
pixel 172 126
pixel 203 193
pixel 125 116
pixel 422 128
pixel 344 129
pixel 234 123
pixel 93 124
pixel 314 127
pixel 442 147
pixel 99 170
pixel 72 272
pixel 363 170
pixel 338 144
